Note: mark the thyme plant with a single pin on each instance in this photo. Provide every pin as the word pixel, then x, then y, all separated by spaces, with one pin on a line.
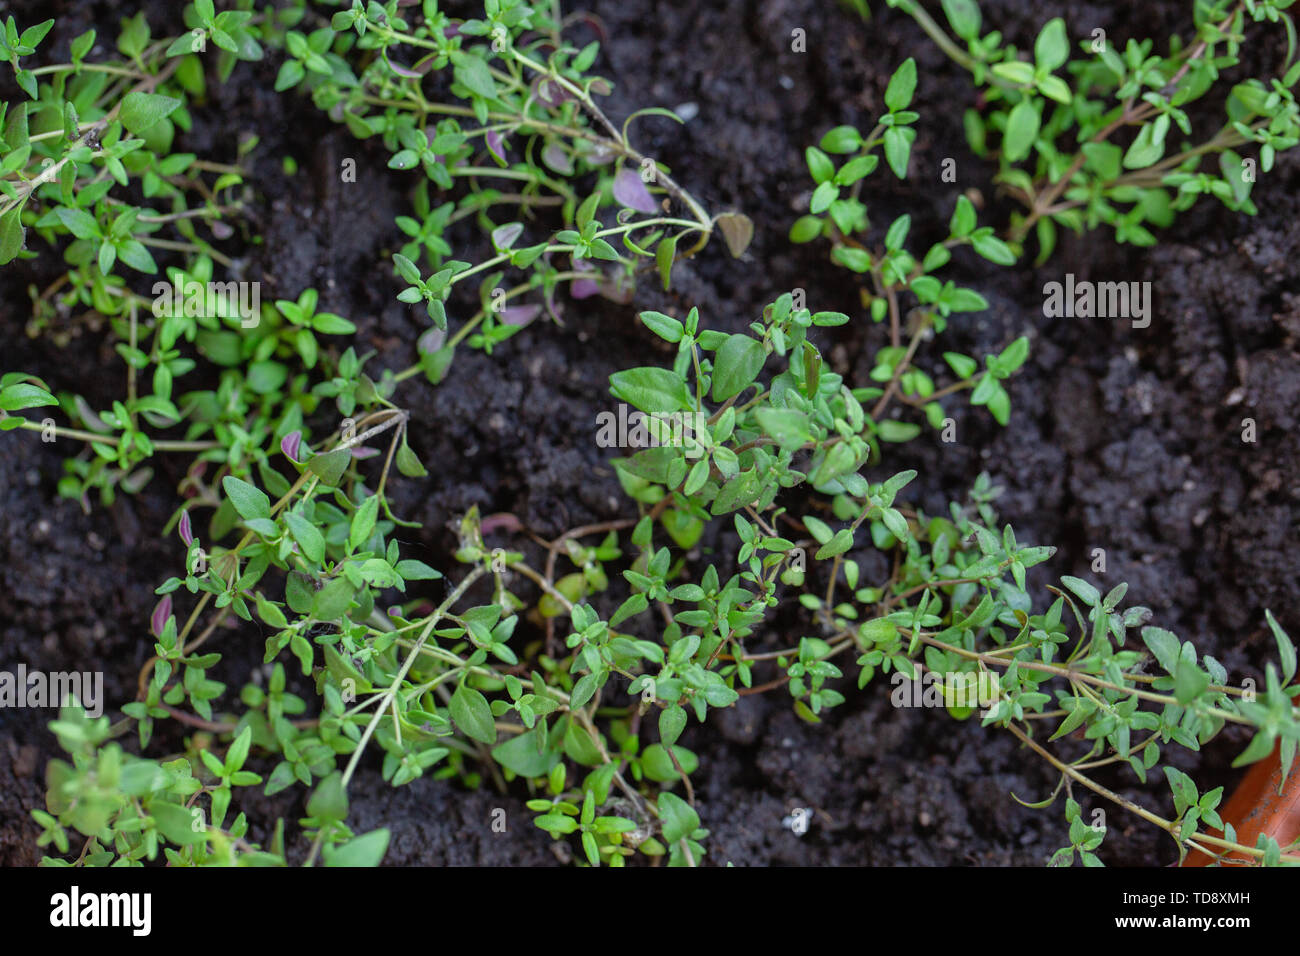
pixel 287 522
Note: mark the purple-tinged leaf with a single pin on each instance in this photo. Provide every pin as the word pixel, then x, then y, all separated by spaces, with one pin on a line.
pixel 596 154
pixel 584 288
pixel 400 70
pixel 504 237
pixel 631 192
pixel 430 341
pixel 549 91
pixel 291 444
pixel 555 157
pixel 618 287
pixel 520 314
pixel 160 615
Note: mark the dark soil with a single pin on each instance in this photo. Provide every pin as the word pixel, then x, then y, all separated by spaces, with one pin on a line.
pixel 1123 439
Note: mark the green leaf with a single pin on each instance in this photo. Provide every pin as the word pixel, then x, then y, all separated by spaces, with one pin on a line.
pixel 556 823
pixel 78 222
pixel 896 431
pixel 250 502
pixel 33 35
pixel 473 715
pixel 787 426
pixel 805 229
pixel 474 73
pixel 859 260
pixel 24 395
pixel 963 17
pixel 188 43
pixel 1015 71
pixel 1014 355
pixel 1189 681
pixel 820 531
pixel 651 389
pixel 332 601
pixel 329 802
pixel 994 249
pixel 897 232
pixel 584 690
pixel 963 217
pixel 142 110
pixel 176 823
pixel 842 139
pixel 308 537
pixel 107 256
pixel 841 542
pixel 665 254
pixel 898 147
pixel 672 721
pixel 238 751
pixel 587 210
pixel 378 573
pixel 1052 48
pixel 1022 130
pixel 822 198
pixel 330 466
pixel 363 522
pixel 1146 149
pixel 735 365
pixel 590 848
pixel 664 326
pixel 1086 592
pixel 413 570
pixel 520 754
pixel 327 323
pixel 1285 649
pixel 408 463
pixel 677 817
pixel 1053 87
pixel 366 850
pixel 896 523
pixel 999 404
pixel 658 765
pixel 12 234
pixel 963 365
pixel 137 256
pixel 290 75
pixel 819 164
pixel 1164 645
pixel 901 86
